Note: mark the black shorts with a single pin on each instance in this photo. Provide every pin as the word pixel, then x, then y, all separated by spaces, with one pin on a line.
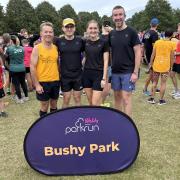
pixel 67 84
pixel 51 91
pixel 27 70
pixel 176 68
pixel 2 94
pixel 92 79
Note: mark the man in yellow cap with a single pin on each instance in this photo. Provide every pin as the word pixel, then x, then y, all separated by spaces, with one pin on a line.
pixel 70 48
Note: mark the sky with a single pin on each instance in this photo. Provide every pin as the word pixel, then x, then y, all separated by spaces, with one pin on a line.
pixel 103 7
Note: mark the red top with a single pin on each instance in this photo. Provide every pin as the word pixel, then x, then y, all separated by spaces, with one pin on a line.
pixel 27 55
pixel 177 61
pixel 1 77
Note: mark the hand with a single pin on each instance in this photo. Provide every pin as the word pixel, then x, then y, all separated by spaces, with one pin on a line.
pixel 103 83
pixel 134 77
pixel 39 89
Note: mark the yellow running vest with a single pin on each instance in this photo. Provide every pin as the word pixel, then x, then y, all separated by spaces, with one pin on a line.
pixel 47 66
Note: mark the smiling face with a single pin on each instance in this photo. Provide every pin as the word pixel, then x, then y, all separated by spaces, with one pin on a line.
pixel 93 30
pixel 47 33
pixel 118 16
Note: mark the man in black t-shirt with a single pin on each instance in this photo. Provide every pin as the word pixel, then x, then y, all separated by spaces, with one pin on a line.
pixel 126 57
pixel 70 48
pixel 149 38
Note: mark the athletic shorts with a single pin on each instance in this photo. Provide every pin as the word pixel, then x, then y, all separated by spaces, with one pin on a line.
pixel 176 68
pixel 27 70
pixel 2 94
pixel 121 82
pixel 51 91
pixel 92 79
pixel 68 84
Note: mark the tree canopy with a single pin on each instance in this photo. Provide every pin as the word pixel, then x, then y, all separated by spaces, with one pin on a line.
pixel 20 14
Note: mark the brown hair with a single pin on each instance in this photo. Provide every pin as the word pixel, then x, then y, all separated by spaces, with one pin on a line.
pixel 119 7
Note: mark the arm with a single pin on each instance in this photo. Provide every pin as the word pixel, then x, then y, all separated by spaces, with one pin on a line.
pixel 137 52
pixel 105 69
pixel 172 60
pixel 152 57
pixel 33 66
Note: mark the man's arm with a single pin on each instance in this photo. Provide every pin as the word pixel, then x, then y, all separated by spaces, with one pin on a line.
pixel 137 52
pixel 33 66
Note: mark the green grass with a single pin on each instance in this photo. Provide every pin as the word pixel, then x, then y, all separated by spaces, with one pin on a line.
pixel 159 128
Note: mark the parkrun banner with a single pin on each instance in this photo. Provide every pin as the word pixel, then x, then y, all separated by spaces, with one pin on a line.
pixel 82 140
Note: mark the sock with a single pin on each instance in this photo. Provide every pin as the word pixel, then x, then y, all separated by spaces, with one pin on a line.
pixel 42 113
pixel 51 110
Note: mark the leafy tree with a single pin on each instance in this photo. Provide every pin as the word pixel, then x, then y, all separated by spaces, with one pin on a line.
pixel 68 12
pixel 46 12
pixel 20 14
pixel 162 10
pixel 2 21
pixel 176 13
pixel 84 17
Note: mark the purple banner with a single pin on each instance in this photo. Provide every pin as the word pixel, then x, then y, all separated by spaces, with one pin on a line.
pixel 82 140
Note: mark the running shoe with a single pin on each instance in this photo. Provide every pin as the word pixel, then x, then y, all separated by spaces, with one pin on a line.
pixel 162 102
pixel 176 95
pixel 151 100
pixel 146 93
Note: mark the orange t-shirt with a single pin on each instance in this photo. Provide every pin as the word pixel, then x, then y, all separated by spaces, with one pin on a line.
pixel 162 58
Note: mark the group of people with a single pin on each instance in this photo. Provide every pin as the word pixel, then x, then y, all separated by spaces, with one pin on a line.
pixel 94 63
pixel 163 58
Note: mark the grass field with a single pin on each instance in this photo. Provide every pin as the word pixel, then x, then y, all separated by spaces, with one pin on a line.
pixel 159 128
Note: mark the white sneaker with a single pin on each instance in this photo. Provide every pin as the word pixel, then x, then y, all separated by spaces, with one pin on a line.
pixel 25 99
pixel 19 101
pixel 173 93
pixel 176 95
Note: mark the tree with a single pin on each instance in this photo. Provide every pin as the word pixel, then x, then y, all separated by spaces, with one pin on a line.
pixel 176 13
pixel 84 17
pixel 162 10
pixel 68 12
pixel 2 21
pixel 20 14
pixel 46 12
pixel 139 21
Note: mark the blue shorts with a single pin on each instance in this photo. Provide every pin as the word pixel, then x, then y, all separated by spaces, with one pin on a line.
pixel 121 82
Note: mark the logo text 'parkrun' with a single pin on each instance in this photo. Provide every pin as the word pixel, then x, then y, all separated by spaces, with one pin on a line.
pixel 83 125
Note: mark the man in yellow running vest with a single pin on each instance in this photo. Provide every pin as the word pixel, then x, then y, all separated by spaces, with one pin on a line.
pixel 45 71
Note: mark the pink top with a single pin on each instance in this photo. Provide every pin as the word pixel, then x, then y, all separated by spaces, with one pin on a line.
pixel 27 55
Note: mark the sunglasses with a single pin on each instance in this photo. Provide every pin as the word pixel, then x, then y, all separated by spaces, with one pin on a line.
pixel 69 26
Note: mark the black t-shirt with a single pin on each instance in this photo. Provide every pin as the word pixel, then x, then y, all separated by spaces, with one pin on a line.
pixel 94 51
pixel 70 56
pixel 122 43
pixel 149 39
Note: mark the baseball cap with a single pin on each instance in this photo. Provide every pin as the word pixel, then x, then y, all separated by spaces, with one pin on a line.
pixel 154 21
pixel 68 21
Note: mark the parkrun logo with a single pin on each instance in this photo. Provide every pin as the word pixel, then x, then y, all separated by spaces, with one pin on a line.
pixel 83 125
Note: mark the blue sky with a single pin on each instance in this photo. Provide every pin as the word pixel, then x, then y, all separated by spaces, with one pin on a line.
pixel 101 6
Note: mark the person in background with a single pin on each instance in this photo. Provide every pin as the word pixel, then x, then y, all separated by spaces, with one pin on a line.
pixel 162 60
pixel 2 93
pixel 17 69
pixel 149 38
pixel 27 58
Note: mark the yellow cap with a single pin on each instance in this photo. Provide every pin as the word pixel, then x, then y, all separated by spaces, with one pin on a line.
pixel 68 21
